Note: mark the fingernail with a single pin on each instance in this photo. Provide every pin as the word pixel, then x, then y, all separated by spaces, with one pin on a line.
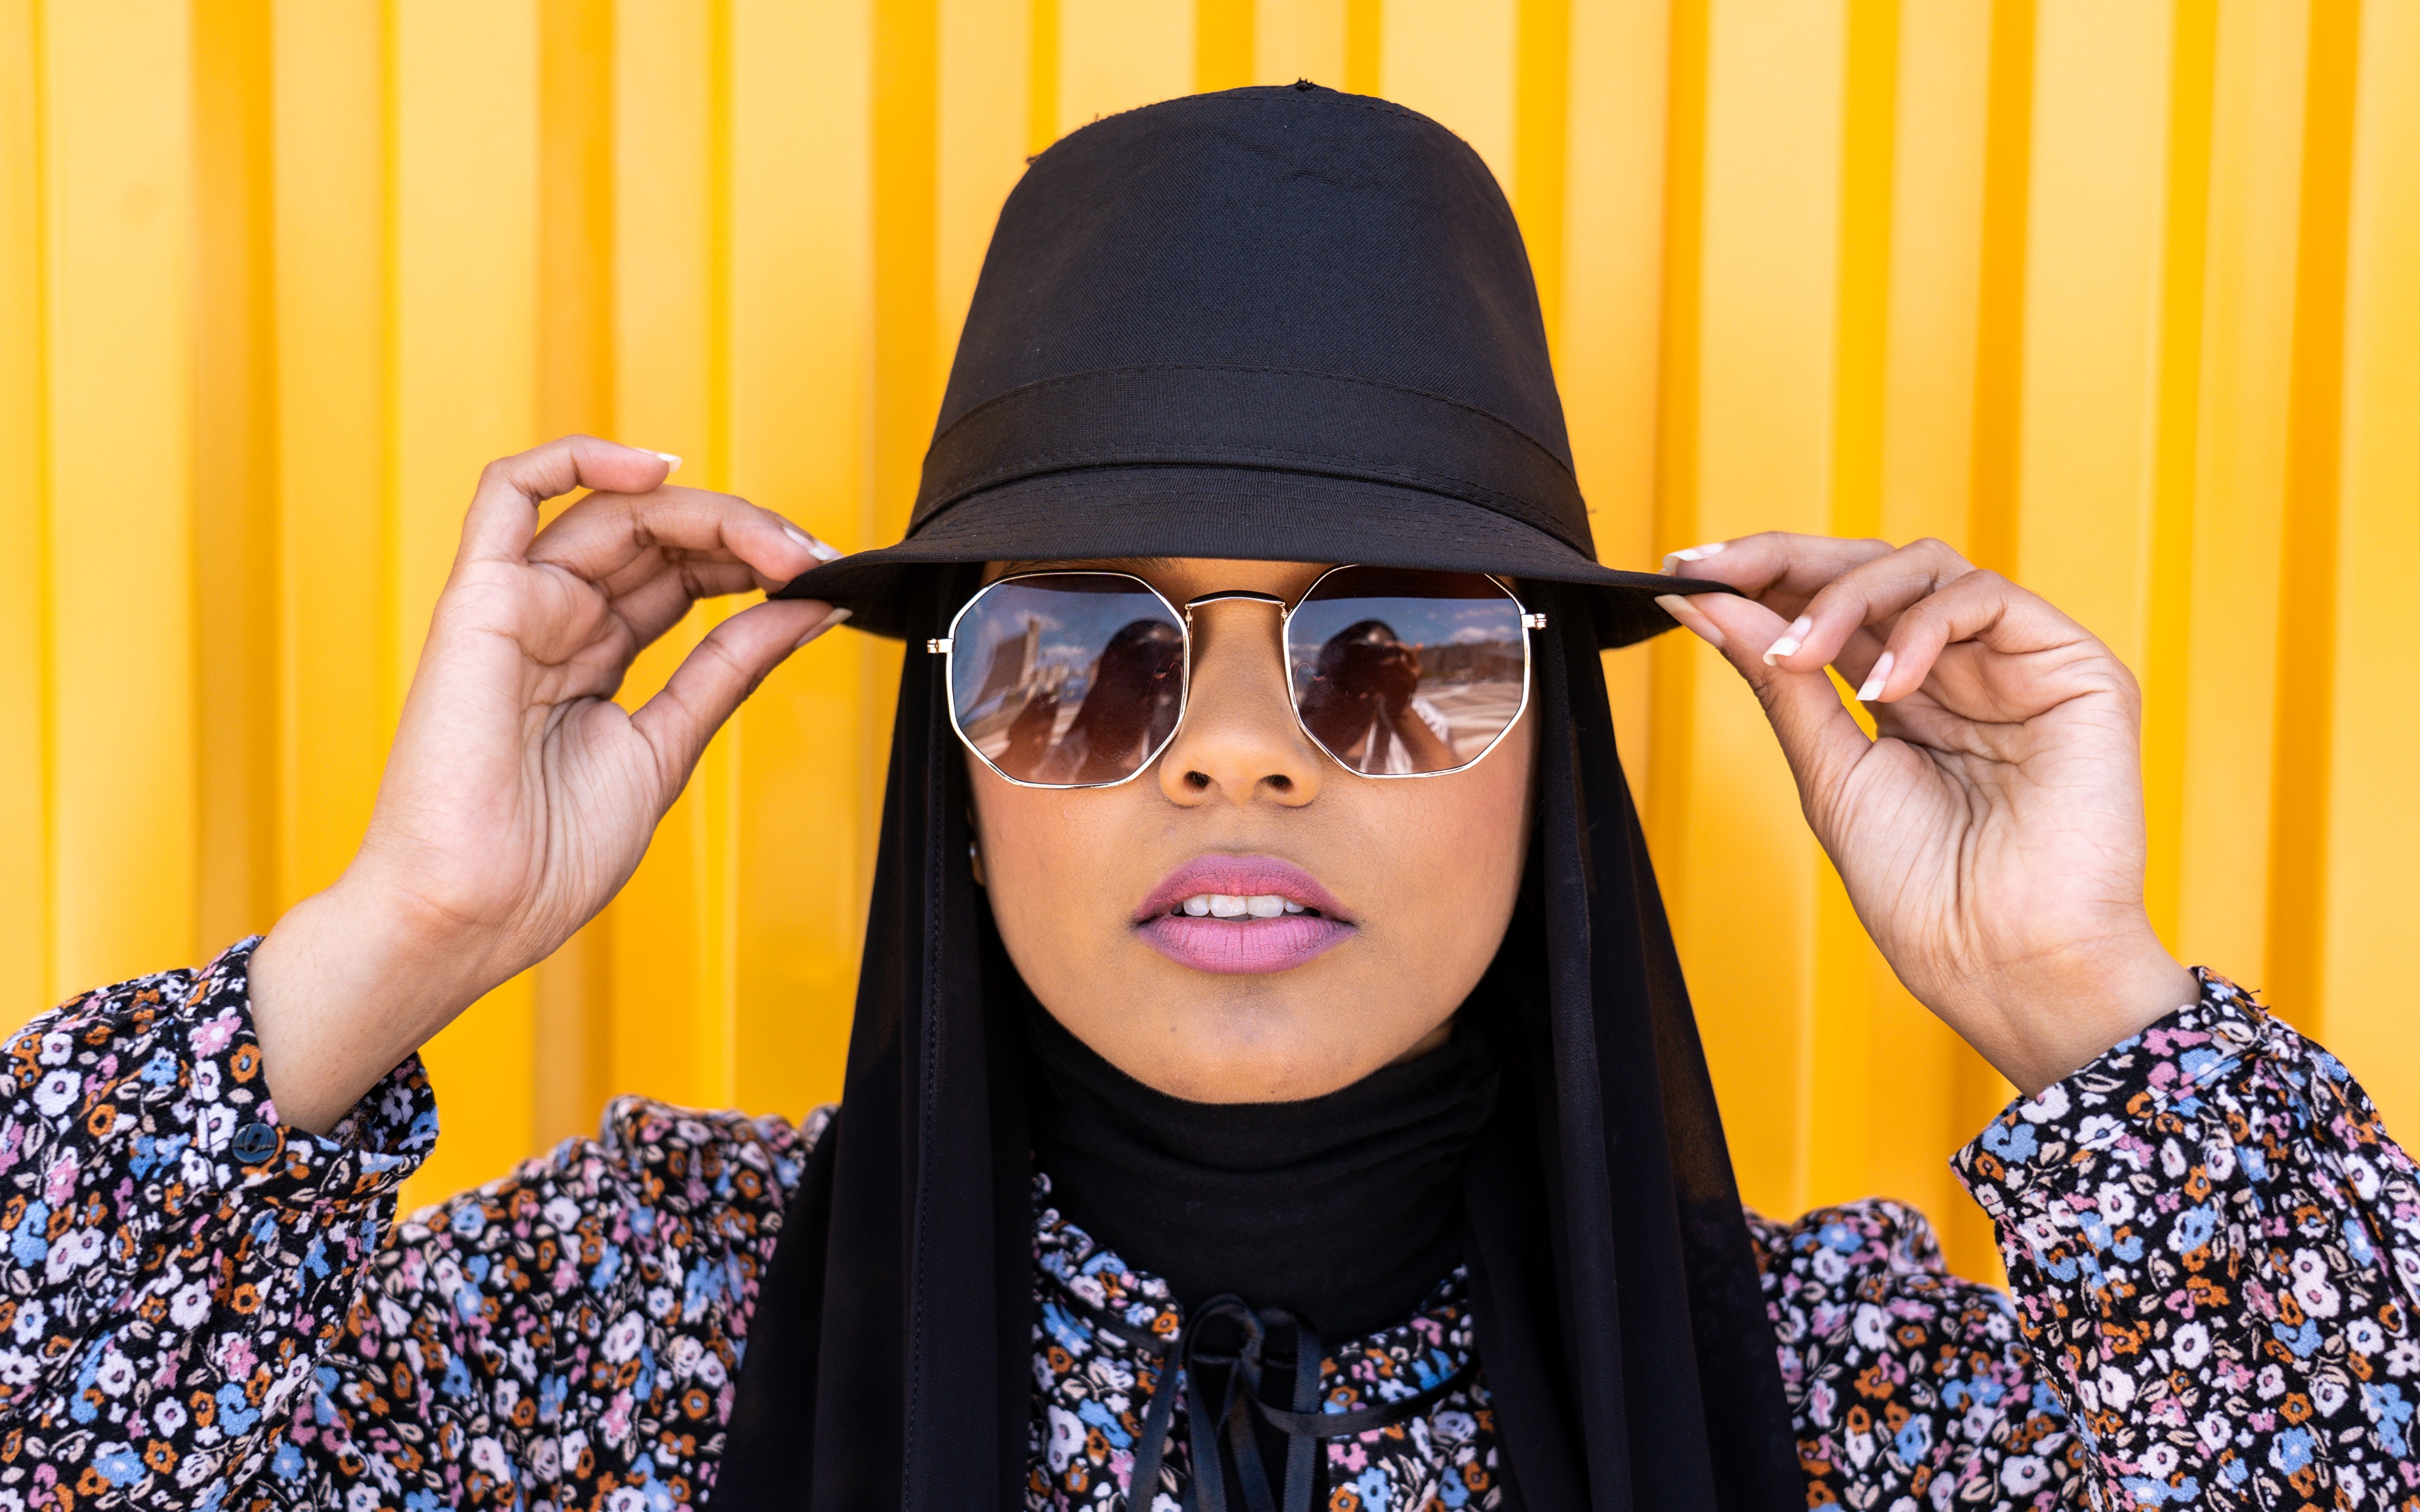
pixel 1687 612
pixel 1699 553
pixel 835 617
pixel 672 461
pixel 1788 645
pixel 813 548
pixel 1875 679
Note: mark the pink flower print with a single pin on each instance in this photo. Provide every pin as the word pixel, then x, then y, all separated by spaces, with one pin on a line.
pixel 58 1183
pixel 213 1035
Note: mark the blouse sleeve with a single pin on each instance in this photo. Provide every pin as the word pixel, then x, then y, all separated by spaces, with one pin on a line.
pixel 176 1260
pixel 1909 1387
pixel 565 1336
pixel 2216 1249
pixel 203 1309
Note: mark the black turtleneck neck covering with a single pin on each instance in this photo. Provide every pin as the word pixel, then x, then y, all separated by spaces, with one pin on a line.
pixel 1345 1208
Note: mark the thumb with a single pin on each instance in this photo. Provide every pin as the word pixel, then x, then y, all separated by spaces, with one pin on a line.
pixel 716 678
pixel 1819 739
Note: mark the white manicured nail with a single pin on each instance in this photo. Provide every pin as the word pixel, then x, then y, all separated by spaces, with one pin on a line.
pixel 1687 612
pixel 837 616
pixel 1672 560
pixel 1875 679
pixel 1788 645
pixel 813 547
pixel 672 462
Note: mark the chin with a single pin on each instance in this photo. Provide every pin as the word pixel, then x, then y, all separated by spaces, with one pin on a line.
pixel 1262 1051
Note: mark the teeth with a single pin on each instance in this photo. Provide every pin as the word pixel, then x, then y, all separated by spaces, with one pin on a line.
pixel 1237 905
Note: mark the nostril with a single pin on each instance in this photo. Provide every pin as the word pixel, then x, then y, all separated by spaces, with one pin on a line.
pixel 1280 781
pixel 1197 780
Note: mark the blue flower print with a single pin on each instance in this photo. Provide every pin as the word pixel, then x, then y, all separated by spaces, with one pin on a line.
pixel 117 1463
pixel 2011 1140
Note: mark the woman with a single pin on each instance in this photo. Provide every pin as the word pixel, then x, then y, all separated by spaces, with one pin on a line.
pixel 1224 1126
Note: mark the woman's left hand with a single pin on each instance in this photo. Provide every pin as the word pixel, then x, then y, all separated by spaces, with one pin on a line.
pixel 1991 837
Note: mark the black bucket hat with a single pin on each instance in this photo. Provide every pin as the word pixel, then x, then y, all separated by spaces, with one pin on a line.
pixel 1282 324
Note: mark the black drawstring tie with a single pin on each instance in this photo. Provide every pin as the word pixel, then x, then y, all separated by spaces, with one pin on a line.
pixel 1221 1381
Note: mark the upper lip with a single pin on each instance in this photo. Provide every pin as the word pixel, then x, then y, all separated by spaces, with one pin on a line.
pixel 1239 876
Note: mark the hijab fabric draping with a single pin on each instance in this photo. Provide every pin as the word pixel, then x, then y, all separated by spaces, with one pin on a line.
pixel 1621 1326
pixel 1400 411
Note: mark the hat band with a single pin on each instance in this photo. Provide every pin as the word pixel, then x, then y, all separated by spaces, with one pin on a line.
pixel 1211 416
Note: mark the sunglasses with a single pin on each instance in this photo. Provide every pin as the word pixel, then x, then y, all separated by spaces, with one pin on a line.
pixel 1079 679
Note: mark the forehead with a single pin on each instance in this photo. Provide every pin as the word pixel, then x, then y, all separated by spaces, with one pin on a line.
pixel 1179 579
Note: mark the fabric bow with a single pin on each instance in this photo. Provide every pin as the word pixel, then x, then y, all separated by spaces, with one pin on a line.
pixel 1217 1363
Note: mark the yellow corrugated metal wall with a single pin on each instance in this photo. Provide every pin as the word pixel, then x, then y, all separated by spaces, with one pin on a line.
pixel 2123 297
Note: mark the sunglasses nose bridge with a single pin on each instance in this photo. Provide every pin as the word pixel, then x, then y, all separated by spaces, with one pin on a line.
pixel 1233 596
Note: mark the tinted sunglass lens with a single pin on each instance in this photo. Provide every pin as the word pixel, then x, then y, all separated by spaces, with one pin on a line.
pixel 1068 679
pixel 1398 673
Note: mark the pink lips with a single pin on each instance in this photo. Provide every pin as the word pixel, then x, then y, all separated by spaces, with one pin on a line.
pixel 1240 947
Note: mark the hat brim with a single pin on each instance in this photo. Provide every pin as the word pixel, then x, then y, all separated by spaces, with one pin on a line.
pixel 1236 513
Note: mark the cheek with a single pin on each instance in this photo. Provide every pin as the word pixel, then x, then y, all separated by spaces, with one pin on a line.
pixel 1455 850
pixel 1041 854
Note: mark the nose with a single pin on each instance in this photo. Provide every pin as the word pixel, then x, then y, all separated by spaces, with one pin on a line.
pixel 1239 742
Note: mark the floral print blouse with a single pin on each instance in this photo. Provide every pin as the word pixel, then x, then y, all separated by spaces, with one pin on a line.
pixel 1095 1370
pixel 2215 1246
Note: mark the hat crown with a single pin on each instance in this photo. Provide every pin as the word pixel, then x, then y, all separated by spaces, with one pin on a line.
pixel 1257 235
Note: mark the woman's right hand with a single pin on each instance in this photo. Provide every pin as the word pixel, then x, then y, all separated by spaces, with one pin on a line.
pixel 518 797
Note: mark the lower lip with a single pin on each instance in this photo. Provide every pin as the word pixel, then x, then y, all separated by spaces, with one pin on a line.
pixel 1243 947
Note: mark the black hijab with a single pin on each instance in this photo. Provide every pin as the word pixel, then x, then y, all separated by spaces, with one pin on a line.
pixel 1292 325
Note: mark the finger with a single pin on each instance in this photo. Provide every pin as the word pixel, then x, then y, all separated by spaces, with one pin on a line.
pixel 1981 606
pixel 1685 610
pixel 1758 635
pixel 596 662
pixel 1818 736
pixel 661 601
pixel 714 677
pixel 1874 593
pixel 1781 569
pixel 503 517
pixel 606 534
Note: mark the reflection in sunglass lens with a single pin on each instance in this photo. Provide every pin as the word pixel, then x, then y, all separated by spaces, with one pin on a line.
pixel 1399 673
pixel 1068 678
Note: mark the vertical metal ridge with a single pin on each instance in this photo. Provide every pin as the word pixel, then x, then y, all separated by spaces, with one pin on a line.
pixel 2177 420
pixel 1671 696
pixel 2306 712
pixel 1991 529
pixel 1540 149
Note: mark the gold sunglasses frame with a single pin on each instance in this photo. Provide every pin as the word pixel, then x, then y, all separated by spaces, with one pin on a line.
pixel 945 646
